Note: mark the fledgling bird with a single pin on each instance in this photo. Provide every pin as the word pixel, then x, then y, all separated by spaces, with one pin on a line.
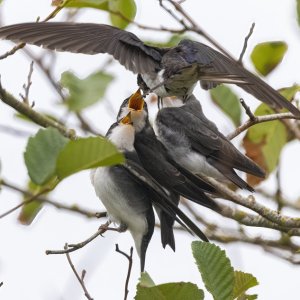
pixel 156 160
pixel 165 71
pixel 128 192
pixel 196 143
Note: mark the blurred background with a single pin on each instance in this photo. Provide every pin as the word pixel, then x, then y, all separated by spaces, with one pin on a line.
pixel 27 273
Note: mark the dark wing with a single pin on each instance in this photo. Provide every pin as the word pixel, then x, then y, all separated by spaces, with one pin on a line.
pixel 207 141
pixel 87 38
pixel 219 68
pixel 155 159
pixel 161 199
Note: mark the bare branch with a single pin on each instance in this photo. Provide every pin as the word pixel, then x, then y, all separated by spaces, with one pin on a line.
pixel 27 86
pixel 74 247
pixel 246 44
pixel 31 199
pixel 129 257
pixel 248 110
pixel 36 117
pixel 252 204
pixel 57 204
pixel 80 278
pixel 22 45
pixel 194 26
pixel 261 119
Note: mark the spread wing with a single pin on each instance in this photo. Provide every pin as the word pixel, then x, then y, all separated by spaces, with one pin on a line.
pixel 218 68
pixel 87 38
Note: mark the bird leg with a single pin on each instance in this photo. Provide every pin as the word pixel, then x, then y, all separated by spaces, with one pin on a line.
pixel 122 228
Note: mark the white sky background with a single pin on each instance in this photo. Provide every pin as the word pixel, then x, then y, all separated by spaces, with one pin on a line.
pixel 26 271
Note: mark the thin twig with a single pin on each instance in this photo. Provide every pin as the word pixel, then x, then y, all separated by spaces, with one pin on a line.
pixel 13 131
pixel 22 45
pixel 74 247
pixel 31 199
pixel 57 88
pixel 194 26
pixel 251 203
pixel 261 119
pixel 80 278
pixel 129 257
pixel 27 86
pixel 246 44
pixel 56 204
pixel 36 117
pixel 247 110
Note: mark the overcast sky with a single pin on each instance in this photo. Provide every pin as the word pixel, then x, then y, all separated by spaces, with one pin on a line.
pixel 26 271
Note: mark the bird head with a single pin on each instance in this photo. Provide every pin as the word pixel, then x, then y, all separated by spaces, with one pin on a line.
pixel 137 107
pixel 121 133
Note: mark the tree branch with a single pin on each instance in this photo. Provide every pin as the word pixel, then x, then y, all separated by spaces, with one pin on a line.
pixel 252 204
pixel 57 204
pixel 246 44
pixel 261 119
pixel 74 247
pixel 22 45
pixel 80 278
pixel 36 117
pixel 129 257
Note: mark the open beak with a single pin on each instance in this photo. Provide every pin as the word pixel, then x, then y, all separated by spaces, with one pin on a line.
pixel 136 101
pixel 126 120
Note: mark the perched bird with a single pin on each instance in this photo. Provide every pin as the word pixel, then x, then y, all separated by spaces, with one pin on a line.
pixel 156 160
pixel 196 143
pixel 166 71
pixel 128 192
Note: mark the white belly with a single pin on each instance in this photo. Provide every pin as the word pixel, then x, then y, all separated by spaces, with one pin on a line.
pixel 197 164
pixel 117 206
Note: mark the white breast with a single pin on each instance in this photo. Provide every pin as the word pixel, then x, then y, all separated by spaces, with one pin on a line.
pixel 154 80
pixel 118 208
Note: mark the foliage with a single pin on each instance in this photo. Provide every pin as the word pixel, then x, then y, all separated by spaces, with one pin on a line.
pixel 85 92
pixel 228 102
pixel 266 56
pixel 218 275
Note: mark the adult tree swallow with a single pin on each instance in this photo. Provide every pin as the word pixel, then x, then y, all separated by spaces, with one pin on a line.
pixel 166 71
pixel 128 192
pixel 196 143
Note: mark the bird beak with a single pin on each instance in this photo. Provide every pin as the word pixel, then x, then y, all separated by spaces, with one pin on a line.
pixel 136 101
pixel 126 120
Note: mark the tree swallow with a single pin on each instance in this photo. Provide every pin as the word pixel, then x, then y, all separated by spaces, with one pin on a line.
pixel 156 160
pixel 166 71
pixel 196 143
pixel 128 192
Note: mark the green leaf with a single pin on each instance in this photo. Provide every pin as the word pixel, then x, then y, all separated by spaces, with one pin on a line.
pixel 98 4
pixel 264 142
pixel 243 282
pixel 228 102
pixel 126 8
pixel 266 56
pixel 289 92
pixel 215 268
pixel 41 154
pixel 86 153
pixel 85 92
pixel 145 280
pixel 29 211
pixel 170 291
